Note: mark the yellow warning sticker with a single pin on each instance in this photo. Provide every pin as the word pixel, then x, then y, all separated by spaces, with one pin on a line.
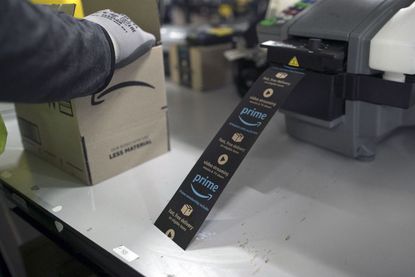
pixel 221 31
pixel 294 62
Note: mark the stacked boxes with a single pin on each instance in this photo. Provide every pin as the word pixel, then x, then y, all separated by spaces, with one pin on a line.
pixel 200 67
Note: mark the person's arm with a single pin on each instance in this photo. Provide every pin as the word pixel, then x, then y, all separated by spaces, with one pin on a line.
pixel 47 56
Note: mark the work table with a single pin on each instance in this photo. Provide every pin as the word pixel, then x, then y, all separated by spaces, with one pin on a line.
pixel 291 209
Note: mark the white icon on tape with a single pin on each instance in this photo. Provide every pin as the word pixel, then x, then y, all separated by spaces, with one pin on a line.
pixel 223 159
pixel 268 93
pixel 187 210
pixel 238 137
pixel 170 233
pixel 281 75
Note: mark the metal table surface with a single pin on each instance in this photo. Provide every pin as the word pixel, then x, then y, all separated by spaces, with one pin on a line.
pixel 291 209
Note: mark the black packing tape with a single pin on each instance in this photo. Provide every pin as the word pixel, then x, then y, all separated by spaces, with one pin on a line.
pixel 190 205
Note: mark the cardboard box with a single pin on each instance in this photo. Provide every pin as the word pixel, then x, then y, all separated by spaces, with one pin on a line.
pixel 99 136
pixel 143 12
pixel 200 67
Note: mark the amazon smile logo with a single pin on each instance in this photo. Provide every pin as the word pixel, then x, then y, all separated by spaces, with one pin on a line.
pixel 252 117
pixel 98 98
pixel 206 183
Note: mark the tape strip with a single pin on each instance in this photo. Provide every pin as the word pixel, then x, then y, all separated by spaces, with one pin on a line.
pixel 190 205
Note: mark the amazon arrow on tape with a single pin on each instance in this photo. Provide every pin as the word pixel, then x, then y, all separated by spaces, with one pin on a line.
pixel 194 199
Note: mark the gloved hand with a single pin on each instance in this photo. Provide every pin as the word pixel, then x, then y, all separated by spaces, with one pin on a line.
pixel 130 41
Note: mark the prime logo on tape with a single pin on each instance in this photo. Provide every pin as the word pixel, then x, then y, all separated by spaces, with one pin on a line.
pixel 190 205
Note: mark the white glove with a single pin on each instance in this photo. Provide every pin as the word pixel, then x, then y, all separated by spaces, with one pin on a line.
pixel 130 41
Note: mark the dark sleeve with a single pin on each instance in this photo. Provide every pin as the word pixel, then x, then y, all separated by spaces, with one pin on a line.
pixel 50 56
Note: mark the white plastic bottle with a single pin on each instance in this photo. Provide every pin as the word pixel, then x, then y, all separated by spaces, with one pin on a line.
pixel 392 50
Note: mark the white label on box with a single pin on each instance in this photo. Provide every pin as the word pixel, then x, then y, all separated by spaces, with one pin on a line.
pixel 126 253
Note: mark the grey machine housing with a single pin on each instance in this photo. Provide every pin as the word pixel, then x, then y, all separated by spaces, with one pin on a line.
pixel 365 119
